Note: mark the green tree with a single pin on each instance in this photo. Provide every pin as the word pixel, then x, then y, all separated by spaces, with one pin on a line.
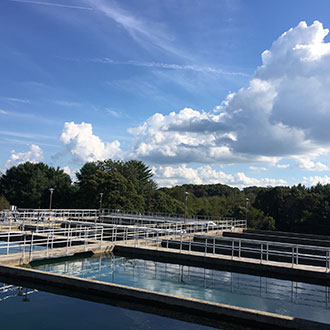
pixel 161 202
pixel 4 204
pixel 27 186
pixel 123 184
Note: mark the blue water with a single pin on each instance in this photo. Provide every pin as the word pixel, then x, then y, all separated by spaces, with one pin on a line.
pixel 278 296
pixel 29 309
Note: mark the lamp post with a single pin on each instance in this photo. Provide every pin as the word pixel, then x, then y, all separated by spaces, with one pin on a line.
pixel 185 206
pixel 51 197
pixel 101 195
pixel 246 209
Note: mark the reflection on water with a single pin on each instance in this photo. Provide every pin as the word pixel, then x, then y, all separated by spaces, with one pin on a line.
pixel 268 294
pixel 30 309
pixel 8 291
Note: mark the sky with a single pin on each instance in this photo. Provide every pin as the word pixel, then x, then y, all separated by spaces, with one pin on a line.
pixel 202 91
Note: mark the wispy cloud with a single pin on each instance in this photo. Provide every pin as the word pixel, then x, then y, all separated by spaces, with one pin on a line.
pixel 170 66
pixel 52 4
pixel 25 141
pixel 256 168
pixel 13 99
pixel 68 103
pixel 27 116
pixel 113 113
pixel 145 33
pixel 26 135
pixel 283 165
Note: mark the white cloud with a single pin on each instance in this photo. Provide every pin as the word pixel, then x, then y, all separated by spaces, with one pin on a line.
pixel 283 165
pixel 169 176
pixel 84 146
pixel 68 103
pixel 307 164
pixel 170 66
pixel 34 155
pixel 314 180
pixel 256 168
pixel 147 34
pixel 284 112
pixel 113 113
pixel 52 4
pixel 13 99
pixel 67 170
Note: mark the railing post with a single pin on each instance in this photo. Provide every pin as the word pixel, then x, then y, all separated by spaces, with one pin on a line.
pixel 239 248
pixel 101 237
pixel 157 240
pixel 261 252
pixel 24 245
pixel 47 244
pixel 67 240
pixel 181 243
pixel 8 241
pixel 292 251
pixel 297 255
pixel 232 249
pixel 86 238
pixel 31 245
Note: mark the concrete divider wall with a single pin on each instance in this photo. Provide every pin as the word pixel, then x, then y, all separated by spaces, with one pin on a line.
pixel 288 234
pixel 280 239
pixel 244 316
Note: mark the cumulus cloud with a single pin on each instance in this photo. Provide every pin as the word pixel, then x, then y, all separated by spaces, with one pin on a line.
pixel 169 176
pixel 314 180
pixel 33 155
pixel 308 164
pixel 84 146
pixel 284 112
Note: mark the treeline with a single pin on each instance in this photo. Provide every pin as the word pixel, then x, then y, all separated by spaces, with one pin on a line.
pixel 123 185
pixel 129 186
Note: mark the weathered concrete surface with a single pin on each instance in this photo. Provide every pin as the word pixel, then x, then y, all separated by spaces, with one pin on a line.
pixel 248 317
pixel 21 258
pixel 302 273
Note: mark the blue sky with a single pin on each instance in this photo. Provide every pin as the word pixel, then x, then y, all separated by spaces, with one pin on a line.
pixel 210 91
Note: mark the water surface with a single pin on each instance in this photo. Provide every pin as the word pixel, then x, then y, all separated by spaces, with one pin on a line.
pixel 30 309
pixel 267 294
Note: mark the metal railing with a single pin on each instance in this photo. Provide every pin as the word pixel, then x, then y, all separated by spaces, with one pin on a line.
pixel 160 216
pixel 262 250
pixel 153 234
pixel 43 214
pixel 48 238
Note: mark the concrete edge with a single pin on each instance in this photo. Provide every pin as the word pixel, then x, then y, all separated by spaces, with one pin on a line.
pixel 217 311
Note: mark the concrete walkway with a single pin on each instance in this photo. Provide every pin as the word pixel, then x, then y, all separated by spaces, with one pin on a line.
pixel 22 258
